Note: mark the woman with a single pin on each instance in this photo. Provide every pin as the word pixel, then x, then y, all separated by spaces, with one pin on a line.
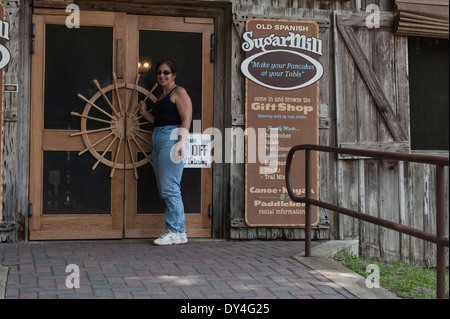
pixel 172 112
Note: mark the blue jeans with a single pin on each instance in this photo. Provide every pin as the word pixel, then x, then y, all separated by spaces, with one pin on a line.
pixel 168 177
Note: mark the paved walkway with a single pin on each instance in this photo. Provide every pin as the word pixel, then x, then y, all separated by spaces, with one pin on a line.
pixel 202 269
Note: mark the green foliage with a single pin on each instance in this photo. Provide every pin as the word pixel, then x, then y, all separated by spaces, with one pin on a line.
pixel 406 281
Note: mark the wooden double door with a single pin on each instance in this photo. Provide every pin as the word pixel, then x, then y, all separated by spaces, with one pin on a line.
pixel 91 173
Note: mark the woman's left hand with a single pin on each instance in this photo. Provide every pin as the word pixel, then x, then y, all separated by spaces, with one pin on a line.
pixel 179 150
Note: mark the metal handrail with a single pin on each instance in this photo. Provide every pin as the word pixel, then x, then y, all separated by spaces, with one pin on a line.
pixel 439 238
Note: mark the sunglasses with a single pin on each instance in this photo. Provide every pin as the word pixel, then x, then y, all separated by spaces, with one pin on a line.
pixel 163 72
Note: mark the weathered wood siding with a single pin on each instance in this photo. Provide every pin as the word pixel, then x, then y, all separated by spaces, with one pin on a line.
pixel 400 192
pixel 16 130
pixel 349 116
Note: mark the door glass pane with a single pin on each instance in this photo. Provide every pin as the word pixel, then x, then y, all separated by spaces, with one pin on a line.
pixel 185 49
pixel 149 201
pixel 70 185
pixel 73 59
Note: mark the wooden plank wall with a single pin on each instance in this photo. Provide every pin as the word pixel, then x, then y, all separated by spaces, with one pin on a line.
pixel 400 192
pixel 16 132
pixel 284 9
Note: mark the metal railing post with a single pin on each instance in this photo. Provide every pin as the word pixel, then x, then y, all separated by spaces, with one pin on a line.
pixel 439 238
pixel 440 232
pixel 308 205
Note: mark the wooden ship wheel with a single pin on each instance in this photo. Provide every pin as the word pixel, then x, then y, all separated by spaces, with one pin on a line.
pixel 122 124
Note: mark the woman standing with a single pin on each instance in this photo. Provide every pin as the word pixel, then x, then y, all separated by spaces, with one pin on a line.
pixel 172 112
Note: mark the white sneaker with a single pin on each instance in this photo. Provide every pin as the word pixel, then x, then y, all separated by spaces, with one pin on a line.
pixel 168 237
pixel 183 238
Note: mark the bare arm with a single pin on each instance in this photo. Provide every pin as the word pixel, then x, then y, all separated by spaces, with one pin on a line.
pixel 143 111
pixel 184 106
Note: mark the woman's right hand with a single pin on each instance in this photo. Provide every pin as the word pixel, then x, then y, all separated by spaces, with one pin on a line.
pixel 142 107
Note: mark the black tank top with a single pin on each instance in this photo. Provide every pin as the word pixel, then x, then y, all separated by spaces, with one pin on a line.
pixel 166 112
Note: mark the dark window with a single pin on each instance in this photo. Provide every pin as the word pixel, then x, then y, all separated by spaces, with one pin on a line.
pixel 429 82
pixel 73 59
pixel 72 187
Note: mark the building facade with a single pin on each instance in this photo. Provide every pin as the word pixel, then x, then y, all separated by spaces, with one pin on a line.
pixel 76 157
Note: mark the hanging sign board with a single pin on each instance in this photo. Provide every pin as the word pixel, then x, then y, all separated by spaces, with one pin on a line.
pixel 282 71
pixel 199 155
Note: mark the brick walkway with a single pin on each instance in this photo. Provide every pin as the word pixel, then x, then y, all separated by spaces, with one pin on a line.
pixel 137 269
